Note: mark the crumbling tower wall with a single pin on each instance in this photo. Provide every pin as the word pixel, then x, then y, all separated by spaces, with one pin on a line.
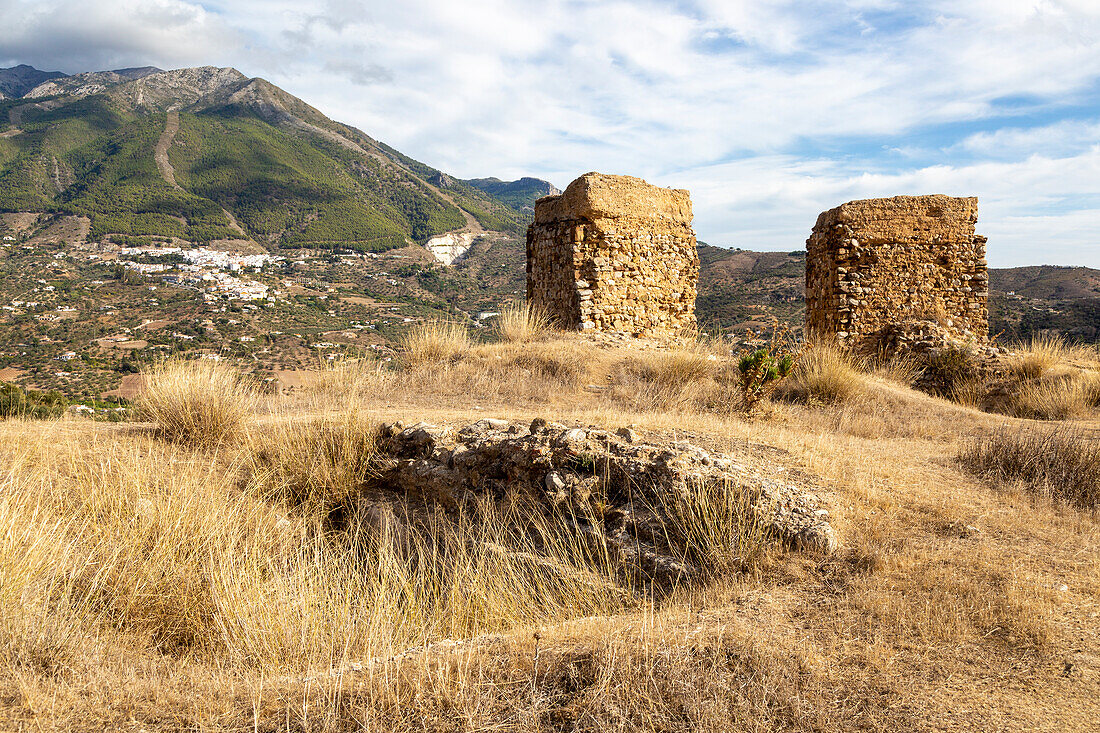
pixel 617 255
pixel 876 264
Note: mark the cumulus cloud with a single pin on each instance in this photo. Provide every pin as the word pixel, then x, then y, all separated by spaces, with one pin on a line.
pixel 770 111
pixel 76 35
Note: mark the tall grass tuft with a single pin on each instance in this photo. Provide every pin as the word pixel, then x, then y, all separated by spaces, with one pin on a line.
pixel 317 463
pixel 433 342
pixel 715 525
pixel 1039 356
pixel 675 369
pixel 199 403
pixel 1060 464
pixel 824 372
pixel 1072 395
pixel 349 377
pixel 520 323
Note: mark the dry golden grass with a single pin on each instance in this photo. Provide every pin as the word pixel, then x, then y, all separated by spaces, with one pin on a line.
pixel 1072 395
pixel 902 369
pixel 318 462
pixel 520 323
pixel 1061 464
pixel 348 376
pixel 825 372
pixel 434 342
pixel 202 402
pixel 1035 358
pixel 156 585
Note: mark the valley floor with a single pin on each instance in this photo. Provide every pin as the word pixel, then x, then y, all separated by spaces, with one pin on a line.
pixel 951 604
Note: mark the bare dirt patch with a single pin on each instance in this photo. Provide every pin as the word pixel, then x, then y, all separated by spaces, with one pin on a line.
pixel 10 374
pixel 21 222
pixel 131 387
pixel 64 230
pixel 297 378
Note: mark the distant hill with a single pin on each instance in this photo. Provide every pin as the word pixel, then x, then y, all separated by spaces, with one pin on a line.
pixel 1048 282
pixel 1024 301
pixel 209 154
pixel 18 80
pixel 520 194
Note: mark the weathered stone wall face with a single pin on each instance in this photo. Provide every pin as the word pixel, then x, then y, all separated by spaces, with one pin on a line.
pixel 615 254
pixel 872 265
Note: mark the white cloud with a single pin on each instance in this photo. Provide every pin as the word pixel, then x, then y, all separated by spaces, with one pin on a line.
pixel 78 35
pixel 773 202
pixel 1064 138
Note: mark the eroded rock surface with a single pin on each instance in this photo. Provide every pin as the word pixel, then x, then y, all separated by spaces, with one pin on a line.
pixel 614 488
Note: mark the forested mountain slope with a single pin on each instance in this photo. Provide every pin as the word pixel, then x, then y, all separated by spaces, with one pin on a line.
pixel 206 154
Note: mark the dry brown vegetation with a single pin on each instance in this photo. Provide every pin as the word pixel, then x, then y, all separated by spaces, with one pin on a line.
pixel 522 322
pixel 824 372
pixel 434 341
pixel 199 403
pixel 1059 464
pixel 1051 380
pixel 150 579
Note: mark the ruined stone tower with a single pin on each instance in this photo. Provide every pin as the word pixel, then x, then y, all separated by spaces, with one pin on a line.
pixel 874 265
pixel 614 254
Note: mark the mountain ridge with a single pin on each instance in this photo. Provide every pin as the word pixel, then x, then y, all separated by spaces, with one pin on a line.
pixel 247 159
pixel 18 80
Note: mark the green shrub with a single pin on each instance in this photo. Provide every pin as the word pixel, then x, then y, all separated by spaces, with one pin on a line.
pixel 952 372
pixel 18 402
pixel 759 373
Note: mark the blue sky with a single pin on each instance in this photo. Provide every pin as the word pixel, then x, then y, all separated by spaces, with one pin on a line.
pixel 769 112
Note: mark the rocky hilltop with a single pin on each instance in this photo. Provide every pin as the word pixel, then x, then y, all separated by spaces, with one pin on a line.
pixel 521 193
pixel 18 80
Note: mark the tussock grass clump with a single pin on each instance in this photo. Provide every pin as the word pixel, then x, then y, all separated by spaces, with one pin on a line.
pixel 317 463
pixel 675 369
pixel 200 403
pixel 150 547
pixel 680 379
pixel 715 525
pixel 953 373
pixel 1060 464
pixel 521 323
pixel 348 377
pixel 824 372
pixel 903 369
pixel 1038 356
pixel 433 342
pixel 1064 397
pixel 126 548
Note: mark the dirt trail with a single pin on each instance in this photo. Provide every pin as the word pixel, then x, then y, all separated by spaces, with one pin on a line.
pixel 57 175
pixel 161 151
pixel 168 173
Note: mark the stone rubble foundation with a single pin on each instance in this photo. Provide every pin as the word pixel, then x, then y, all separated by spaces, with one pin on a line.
pixel 615 489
